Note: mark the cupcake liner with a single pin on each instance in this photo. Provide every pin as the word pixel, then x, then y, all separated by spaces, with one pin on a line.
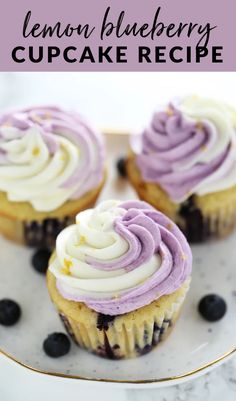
pixel 199 225
pixel 122 336
pixel 44 233
pixel 199 217
pixel 127 342
pixel 19 222
pixel 34 233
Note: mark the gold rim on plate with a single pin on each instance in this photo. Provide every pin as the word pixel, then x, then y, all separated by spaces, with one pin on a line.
pixel 202 368
pixel 148 381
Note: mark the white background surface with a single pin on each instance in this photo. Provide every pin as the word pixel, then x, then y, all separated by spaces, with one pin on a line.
pixel 18 384
pixel 112 101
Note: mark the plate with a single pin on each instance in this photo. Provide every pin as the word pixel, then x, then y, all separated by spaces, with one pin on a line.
pixel 194 346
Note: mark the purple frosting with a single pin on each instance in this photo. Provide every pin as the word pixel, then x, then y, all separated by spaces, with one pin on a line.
pixel 168 144
pixel 148 232
pixel 52 120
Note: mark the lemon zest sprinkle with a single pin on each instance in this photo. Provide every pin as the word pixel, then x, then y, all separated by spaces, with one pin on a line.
pixel 68 263
pixel 142 281
pixel 199 125
pixel 63 158
pixel 36 151
pixel 170 226
pixel 82 240
pixel 7 124
pixel 65 271
pixel 66 268
pixel 169 112
pixel 36 118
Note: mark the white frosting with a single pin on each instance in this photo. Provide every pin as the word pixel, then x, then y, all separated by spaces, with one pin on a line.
pixel 33 174
pixel 222 119
pixel 93 235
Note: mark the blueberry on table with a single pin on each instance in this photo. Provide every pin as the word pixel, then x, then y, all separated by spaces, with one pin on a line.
pixel 9 312
pixel 40 260
pixel 56 345
pixel 121 166
pixel 212 307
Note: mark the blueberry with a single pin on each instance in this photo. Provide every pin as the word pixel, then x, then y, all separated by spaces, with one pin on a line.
pixel 9 312
pixel 56 345
pixel 40 260
pixel 212 307
pixel 121 167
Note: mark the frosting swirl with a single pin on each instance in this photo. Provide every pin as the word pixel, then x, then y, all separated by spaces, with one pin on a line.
pixel 48 156
pixel 189 148
pixel 120 256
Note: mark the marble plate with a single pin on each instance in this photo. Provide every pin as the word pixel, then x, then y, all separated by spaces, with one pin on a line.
pixel 193 347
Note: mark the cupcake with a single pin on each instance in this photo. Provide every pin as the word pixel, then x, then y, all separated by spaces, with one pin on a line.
pixel 51 167
pixel 184 164
pixel 118 278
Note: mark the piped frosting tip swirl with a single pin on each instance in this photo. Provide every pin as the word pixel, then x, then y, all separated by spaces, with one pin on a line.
pixel 120 256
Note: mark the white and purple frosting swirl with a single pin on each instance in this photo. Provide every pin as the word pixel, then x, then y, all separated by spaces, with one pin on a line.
pixel 48 156
pixel 120 256
pixel 189 148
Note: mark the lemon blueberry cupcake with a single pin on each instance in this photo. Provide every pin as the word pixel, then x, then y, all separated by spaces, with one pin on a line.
pixel 118 278
pixel 184 164
pixel 51 167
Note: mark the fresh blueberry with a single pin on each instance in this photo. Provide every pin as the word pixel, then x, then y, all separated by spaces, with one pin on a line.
pixel 212 307
pixel 56 345
pixel 121 167
pixel 9 312
pixel 40 260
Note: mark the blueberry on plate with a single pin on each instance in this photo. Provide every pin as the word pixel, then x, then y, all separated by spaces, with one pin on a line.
pixel 56 345
pixel 212 307
pixel 9 312
pixel 121 166
pixel 40 260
